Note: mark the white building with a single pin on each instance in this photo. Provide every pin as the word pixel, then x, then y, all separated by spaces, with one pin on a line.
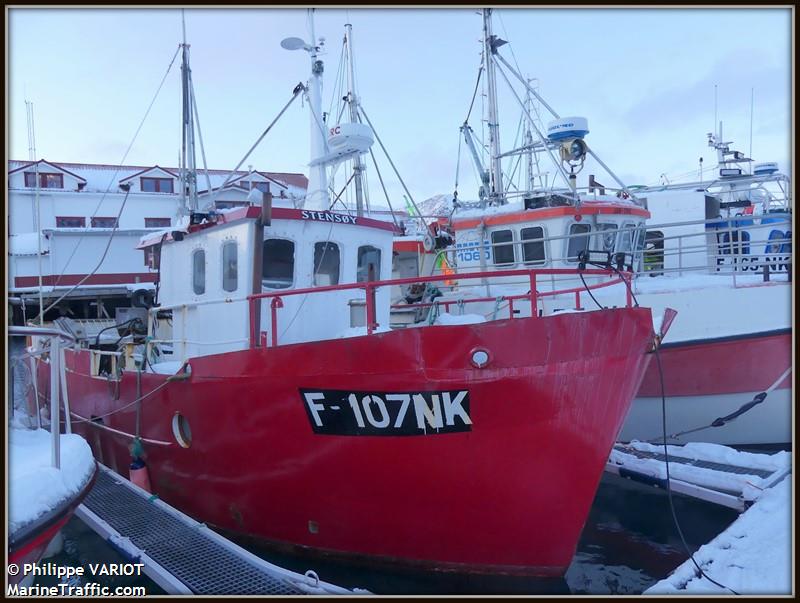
pixel 76 208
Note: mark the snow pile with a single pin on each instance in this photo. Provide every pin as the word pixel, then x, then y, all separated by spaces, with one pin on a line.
pixel 753 556
pixel 746 484
pixel 459 319
pixel 34 485
pixel 360 332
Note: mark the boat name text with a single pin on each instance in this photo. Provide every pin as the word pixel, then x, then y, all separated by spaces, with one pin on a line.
pixel 326 216
pixel 342 412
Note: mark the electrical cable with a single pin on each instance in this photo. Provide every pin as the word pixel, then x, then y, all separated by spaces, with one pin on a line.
pixel 666 462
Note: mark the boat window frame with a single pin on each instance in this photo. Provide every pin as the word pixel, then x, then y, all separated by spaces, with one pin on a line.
pixel 264 282
pixel 599 233
pixel 543 241
pixel 495 246
pixel 226 244
pixel 377 275
pixel 314 271
pixel 577 237
pixel 195 253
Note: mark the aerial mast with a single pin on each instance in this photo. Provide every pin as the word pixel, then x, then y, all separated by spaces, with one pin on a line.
pixel 188 167
pixel 352 100
pixel 490 45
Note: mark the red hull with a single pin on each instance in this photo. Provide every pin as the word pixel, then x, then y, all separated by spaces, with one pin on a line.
pixel 728 365
pixel 509 495
pixel 31 547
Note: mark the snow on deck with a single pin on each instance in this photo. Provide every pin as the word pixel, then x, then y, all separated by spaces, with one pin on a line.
pixel 34 485
pixel 753 556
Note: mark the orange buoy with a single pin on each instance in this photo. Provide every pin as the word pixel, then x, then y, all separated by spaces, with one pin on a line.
pixel 139 475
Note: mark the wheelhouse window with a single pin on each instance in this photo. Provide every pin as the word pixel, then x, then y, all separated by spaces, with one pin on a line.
pixel 70 222
pixel 199 271
pixel 533 245
pixel 653 251
pixel 326 264
pixel 157 223
pixel 578 241
pixel 98 222
pixel 230 266
pixel 278 267
pixel 368 256
pixel 46 180
pixel 606 237
pixel 502 247
pixel 157 185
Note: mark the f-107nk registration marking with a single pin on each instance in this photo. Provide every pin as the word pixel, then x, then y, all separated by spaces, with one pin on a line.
pixel 340 412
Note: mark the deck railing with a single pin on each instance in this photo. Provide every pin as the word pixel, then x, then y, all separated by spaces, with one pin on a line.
pixel 57 383
pixel 370 288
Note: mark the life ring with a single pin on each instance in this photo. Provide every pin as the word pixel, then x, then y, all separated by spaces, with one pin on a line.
pixel 427 242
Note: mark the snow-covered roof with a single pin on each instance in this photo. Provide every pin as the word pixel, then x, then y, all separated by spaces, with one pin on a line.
pixel 100 177
pixel 29 164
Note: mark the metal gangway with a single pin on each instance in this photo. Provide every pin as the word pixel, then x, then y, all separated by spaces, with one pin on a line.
pixel 181 555
pixel 709 477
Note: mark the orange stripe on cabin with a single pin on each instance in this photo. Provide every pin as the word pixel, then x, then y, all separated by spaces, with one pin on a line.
pixel 532 215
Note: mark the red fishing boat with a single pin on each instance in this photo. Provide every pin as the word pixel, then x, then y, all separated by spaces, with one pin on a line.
pixel 465 446
pixel 265 394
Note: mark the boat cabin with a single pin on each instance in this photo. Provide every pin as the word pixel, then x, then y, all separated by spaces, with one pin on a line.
pixel 207 271
pixel 514 236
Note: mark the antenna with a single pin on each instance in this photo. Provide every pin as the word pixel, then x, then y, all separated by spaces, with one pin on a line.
pixel 37 205
pixel 752 98
pixel 715 106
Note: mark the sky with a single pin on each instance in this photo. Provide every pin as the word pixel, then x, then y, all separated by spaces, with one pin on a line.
pixel 644 78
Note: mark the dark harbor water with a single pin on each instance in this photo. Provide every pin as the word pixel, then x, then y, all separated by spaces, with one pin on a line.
pixel 628 544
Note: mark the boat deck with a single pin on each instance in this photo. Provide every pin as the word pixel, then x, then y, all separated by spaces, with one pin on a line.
pixel 179 554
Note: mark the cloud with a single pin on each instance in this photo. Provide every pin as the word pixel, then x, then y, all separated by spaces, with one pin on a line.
pixel 690 101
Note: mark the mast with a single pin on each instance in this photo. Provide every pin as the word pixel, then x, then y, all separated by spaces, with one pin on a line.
pixel 32 157
pixel 352 99
pixel 317 177
pixel 188 167
pixel 490 44
pixel 528 142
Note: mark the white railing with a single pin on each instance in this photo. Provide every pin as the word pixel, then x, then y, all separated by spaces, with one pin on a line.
pixel 57 383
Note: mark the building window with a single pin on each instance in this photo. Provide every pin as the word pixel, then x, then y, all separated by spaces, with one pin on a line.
pixel 157 185
pixel 533 245
pixel 230 268
pixel 262 186
pixel 578 241
pixel 502 247
pixel 98 222
pixel 368 256
pixel 157 223
pixel 326 264
pixel 229 204
pixel 278 267
pixel 46 180
pixel 70 222
pixel 199 271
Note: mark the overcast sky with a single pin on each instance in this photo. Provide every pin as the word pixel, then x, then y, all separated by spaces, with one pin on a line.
pixel 644 78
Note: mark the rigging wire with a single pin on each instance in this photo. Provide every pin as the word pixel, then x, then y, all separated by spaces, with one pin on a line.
pixel 121 163
pixel 669 488
pixel 43 311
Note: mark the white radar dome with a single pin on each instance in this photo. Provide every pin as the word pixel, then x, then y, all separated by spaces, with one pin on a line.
pixel 567 127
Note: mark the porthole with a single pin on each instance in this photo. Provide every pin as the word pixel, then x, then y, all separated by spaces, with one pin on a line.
pixel 181 430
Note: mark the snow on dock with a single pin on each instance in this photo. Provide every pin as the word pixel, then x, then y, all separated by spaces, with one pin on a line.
pixel 752 556
pixel 710 472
